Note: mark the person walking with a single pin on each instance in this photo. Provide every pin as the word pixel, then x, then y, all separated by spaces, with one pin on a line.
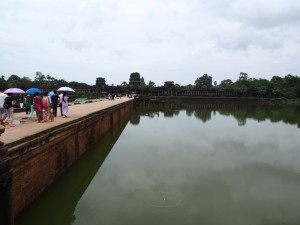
pixel 28 103
pixel 9 101
pixel 65 105
pixel 60 103
pixel 55 100
pixel 46 104
pixel 21 101
pixel 37 104
pixel 2 110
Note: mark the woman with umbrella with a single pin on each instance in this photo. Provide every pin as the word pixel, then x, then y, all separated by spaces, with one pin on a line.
pixel 65 104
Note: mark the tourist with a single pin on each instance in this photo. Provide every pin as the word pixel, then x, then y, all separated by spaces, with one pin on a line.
pixel 54 99
pixel 2 110
pixel 28 103
pixel 37 104
pixel 9 100
pixel 65 106
pixel 60 103
pixel 21 101
pixel 46 104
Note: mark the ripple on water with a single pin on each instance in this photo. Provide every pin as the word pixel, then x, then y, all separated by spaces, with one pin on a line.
pixel 164 199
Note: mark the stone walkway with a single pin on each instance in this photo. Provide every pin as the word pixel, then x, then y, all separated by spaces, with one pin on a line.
pixel 30 127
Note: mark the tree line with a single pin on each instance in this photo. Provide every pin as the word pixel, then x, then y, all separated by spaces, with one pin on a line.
pixel 286 87
pixel 40 81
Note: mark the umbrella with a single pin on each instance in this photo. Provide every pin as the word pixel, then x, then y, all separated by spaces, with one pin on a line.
pixel 66 89
pixel 50 93
pixel 14 91
pixel 32 91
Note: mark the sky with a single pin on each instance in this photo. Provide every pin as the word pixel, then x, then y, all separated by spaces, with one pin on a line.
pixel 163 40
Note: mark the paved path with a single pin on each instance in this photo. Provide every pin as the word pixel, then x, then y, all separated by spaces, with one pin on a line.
pixel 29 127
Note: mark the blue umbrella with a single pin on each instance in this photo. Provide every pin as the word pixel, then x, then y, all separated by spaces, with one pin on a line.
pixel 32 91
pixel 50 93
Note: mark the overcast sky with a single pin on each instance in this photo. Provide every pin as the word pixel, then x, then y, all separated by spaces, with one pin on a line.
pixel 163 40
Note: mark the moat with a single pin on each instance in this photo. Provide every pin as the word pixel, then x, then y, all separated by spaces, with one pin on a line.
pixel 184 164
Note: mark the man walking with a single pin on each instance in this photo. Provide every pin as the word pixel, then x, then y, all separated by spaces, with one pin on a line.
pixel 54 100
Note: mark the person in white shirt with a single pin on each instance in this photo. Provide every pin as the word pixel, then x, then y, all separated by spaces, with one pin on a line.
pixel 2 110
pixel 60 103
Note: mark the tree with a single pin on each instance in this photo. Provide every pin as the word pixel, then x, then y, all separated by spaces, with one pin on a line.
pixel 204 82
pixel 189 86
pixel 151 85
pixel 262 86
pixel 142 84
pixel 177 86
pixel 39 77
pixel 226 83
pixel 291 81
pixel 3 83
pixel 243 76
pixel 62 83
pixel 26 83
pixel 14 81
pixel 124 85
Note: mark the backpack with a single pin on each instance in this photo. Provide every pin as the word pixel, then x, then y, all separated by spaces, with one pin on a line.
pixel 45 103
pixel 6 105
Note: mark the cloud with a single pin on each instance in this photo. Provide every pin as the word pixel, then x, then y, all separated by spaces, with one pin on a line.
pixel 161 39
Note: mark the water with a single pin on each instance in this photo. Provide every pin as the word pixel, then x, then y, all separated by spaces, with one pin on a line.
pixel 191 164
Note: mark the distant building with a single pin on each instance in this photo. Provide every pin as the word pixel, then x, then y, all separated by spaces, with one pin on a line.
pixel 169 88
pixel 134 81
pixel 100 85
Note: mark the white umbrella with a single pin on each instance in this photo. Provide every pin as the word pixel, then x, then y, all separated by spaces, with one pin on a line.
pixel 66 89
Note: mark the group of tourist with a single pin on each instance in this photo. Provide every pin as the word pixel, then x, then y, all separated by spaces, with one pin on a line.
pixel 45 106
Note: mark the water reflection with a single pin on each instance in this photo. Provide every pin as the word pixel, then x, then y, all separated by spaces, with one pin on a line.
pixel 57 205
pixel 168 168
pixel 242 113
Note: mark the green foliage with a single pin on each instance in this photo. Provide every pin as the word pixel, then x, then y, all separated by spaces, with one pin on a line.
pixel 82 94
pixel 243 76
pixel 189 86
pixel 124 85
pixel 14 81
pixel 40 81
pixel 226 84
pixel 287 87
pixel 204 81
pixel 151 85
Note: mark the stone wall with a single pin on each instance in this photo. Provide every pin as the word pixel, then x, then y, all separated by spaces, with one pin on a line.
pixel 37 162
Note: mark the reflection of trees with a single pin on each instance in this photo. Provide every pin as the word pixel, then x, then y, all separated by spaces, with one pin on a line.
pixel 203 111
pixel 189 112
pixel 263 112
pixel 176 112
pixel 203 115
pixel 135 119
pixel 241 121
pixel 168 113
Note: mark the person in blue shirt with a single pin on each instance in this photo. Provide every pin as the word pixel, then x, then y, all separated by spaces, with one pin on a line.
pixel 54 100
